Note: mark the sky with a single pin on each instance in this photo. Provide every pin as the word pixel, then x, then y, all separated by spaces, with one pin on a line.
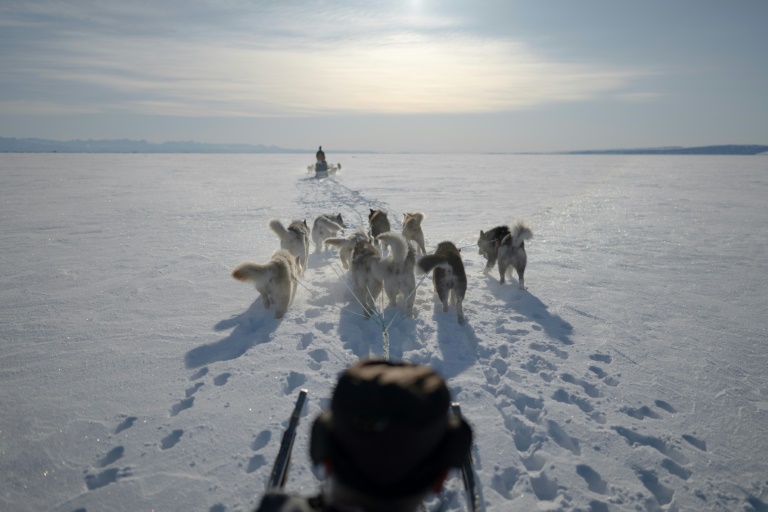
pixel 391 76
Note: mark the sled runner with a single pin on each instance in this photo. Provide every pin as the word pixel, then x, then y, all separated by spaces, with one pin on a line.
pixel 323 169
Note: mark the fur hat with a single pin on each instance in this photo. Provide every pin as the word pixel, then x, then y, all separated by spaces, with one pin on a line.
pixel 388 432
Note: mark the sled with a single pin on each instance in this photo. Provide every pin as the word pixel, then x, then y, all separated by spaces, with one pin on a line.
pixel 323 169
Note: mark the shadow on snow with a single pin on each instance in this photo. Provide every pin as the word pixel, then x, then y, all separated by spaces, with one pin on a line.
pixel 254 326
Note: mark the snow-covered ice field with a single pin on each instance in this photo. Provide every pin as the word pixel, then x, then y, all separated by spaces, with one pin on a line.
pixel 136 374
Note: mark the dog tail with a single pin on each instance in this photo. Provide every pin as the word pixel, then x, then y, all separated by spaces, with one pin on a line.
pixel 254 272
pixel 336 242
pixel 333 224
pixel 277 226
pixel 520 232
pixel 397 243
pixel 430 261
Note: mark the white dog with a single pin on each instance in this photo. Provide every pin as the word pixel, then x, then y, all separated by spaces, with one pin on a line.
pixel 396 270
pixel 326 226
pixel 295 239
pixel 275 280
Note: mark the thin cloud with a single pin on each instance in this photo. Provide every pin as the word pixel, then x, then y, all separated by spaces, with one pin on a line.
pixel 382 64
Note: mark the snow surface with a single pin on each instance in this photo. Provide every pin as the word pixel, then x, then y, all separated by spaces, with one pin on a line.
pixel 137 374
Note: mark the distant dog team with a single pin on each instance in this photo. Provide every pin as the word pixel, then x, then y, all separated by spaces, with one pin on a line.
pixel 380 259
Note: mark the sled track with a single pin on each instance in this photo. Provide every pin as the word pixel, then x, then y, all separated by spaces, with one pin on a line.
pixel 326 195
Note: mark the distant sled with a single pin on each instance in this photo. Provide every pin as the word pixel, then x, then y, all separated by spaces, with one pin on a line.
pixel 323 169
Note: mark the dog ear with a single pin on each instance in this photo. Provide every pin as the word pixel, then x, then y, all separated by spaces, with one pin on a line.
pixel 481 232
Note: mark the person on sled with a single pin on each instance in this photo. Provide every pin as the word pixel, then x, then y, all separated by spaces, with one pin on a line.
pixel 321 166
pixel 386 442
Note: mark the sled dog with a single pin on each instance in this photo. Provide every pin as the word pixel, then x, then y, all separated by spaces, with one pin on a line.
pixel 448 276
pixel 275 280
pixel 326 226
pixel 488 245
pixel 295 239
pixel 412 230
pixel 512 253
pixel 366 286
pixel 346 245
pixel 396 270
pixel 379 224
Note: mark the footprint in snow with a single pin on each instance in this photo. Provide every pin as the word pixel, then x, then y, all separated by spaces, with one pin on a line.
pixel 661 404
pixel 261 440
pixel 589 388
pixel 125 424
pixel 634 438
pixel 565 397
pixel 540 347
pixel 199 374
pixel 544 488
pixel 537 364
pixel 183 405
pixel 305 341
pixel 601 374
pixel 504 481
pixel 698 443
pixel 651 482
pixel 171 439
pixel 222 379
pixel 594 482
pixel 255 462
pixel 106 477
pixel 603 358
pixel 558 435
pixel 676 469
pixel 293 381
pixel 640 413
pixel 191 391
pixel 113 455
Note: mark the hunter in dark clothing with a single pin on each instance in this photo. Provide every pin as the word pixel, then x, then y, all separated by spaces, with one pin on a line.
pixel 386 442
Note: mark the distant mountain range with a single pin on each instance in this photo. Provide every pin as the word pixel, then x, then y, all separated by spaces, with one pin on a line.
pixel 10 145
pixel 726 149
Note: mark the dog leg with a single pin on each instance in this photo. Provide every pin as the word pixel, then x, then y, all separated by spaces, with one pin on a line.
pixel 459 308
pixel 265 300
pixel 503 271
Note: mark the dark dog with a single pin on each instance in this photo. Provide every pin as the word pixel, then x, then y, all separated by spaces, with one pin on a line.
pixel 379 224
pixel 488 245
pixel 448 276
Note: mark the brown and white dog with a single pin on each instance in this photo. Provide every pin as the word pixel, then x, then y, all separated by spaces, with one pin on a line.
pixel 379 223
pixel 412 230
